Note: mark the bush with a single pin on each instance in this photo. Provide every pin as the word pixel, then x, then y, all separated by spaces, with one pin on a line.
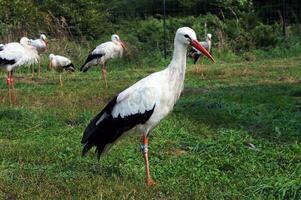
pixel 266 36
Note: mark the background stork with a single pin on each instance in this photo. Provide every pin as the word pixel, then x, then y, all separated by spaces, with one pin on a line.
pixel 143 104
pixel 60 64
pixel 14 55
pixel 41 46
pixel 195 54
pixel 102 53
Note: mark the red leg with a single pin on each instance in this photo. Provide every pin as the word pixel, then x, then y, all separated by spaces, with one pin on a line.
pixel 13 87
pixel 149 180
pixel 8 86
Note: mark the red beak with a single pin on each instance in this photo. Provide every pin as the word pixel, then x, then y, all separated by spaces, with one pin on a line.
pixel 122 44
pixel 199 47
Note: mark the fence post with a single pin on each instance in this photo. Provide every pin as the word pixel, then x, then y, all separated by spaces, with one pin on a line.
pixel 164 27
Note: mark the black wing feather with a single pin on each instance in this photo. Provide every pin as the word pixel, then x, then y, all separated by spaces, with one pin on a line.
pixel 109 129
pixel 4 61
pixel 90 57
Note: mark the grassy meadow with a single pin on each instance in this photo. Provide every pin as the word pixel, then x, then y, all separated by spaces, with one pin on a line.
pixel 233 134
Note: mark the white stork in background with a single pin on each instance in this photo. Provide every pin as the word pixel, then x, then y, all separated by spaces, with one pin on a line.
pixel 102 53
pixel 41 46
pixel 195 54
pixel 13 55
pixel 60 64
pixel 144 104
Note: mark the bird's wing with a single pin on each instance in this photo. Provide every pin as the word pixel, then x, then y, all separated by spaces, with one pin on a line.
pixel 15 54
pixel 107 48
pixel 62 60
pixel 136 99
pixel 102 48
pixel 131 107
pixel 9 57
pixel 205 45
pixel 38 44
pixel 12 46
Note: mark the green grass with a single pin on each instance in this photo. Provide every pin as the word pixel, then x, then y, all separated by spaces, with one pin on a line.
pixel 200 151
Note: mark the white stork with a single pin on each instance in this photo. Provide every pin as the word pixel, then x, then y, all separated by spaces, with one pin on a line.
pixel 60 63
pixel 143 104
pixel 13 55
pixel 102 53
pixel 195 54
pixel 41 46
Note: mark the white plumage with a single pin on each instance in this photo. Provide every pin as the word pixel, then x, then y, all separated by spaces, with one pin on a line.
pixel 17 54
pixel 60 63
pixel 144 104
pixel 195 54
pixel 13 55
pixel 104 52
pixel 41 46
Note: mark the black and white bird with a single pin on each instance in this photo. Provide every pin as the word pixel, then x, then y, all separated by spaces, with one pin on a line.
pixel 60 64
pixel 195 54
pixel 104 52
pixel 41 46
pixel 1 47
pixel 144 104
pixel 13 55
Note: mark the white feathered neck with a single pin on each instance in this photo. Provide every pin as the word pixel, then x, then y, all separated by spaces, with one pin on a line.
pixel 177 68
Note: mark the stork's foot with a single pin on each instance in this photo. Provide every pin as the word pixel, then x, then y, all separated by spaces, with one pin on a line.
pixel 150 182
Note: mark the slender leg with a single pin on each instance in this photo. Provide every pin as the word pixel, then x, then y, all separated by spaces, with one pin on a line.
pixel 149 180
pixel 49 65
pixel 104 74
pixel 32 70
pixel 8 86
pixel 202 68
pixel 13 87
pixel 61 81
pixel 39 69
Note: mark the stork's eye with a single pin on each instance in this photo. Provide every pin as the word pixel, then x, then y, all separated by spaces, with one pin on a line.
pixel 187 36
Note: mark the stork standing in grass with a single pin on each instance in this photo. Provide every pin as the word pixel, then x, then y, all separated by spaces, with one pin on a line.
pixel 102 53
pixel 41 46
pixel 13 55
pixel 60 64
pixel 144 104
pixel 195 54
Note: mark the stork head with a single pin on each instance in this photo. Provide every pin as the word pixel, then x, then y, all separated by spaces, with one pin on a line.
pixel 209 35
pixel 44 38
pixel 187 36
pixel 115 38
pixel 51 56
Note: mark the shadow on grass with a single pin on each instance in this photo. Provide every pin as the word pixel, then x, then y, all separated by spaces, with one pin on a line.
pixel 268 111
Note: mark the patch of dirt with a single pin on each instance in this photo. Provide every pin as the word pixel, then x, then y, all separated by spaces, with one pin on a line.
pixel 36 80
pixel 287 79
pixel 95 101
